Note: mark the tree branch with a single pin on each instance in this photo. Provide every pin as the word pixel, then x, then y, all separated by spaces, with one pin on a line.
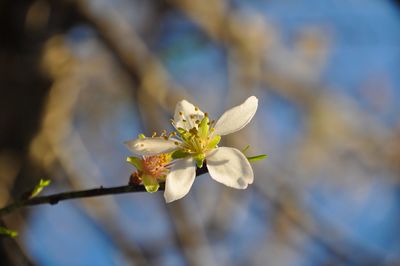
pixel 102 191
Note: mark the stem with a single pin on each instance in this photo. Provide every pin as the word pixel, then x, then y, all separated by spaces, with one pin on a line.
pixel 102 191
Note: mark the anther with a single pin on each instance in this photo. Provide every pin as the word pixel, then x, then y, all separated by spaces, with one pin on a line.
pixel 184 120
pixel 180 113
pixel 154 134
pixel 176 143
pixel 165 137
pixel 206 114
pixel 197 121
pixel 196 108
pixel 192 116
pixel 142 145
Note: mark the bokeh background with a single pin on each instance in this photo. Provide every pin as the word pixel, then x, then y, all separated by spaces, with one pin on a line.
pixel 79 77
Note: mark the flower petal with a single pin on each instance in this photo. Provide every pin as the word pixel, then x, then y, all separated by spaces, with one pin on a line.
pixel 152 146
pixel 180 179
pixel 230 167
pixel 236 118
pixel 186 115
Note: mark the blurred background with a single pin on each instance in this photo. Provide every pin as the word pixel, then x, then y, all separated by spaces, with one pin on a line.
pixel 79 77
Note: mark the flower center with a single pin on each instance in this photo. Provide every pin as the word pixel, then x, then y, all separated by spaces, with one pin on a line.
pixel 198 140
pixel 156 165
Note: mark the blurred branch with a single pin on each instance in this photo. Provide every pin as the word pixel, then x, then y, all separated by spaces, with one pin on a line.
pixel 133 53
pixel 102 191
pixel 359 255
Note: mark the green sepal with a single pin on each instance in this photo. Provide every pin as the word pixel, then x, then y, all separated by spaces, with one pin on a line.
pixel 204 127
pixel 257 157
pixel 199 163
pixel 135 161
pixel 214 142
pixel 141 136
pixel 150 183
pixel 179 154
pixel 7 232
pixel 39 187
pixel 200 159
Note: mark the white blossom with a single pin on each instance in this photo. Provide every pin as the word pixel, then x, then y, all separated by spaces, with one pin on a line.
pixel 197 140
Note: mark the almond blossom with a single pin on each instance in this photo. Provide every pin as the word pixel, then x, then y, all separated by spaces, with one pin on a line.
pixel 196 141
pixel 150 170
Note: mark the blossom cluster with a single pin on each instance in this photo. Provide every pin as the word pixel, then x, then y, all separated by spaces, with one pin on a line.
pixel 173 158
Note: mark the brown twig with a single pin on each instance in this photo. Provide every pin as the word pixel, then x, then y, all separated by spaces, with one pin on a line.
pixel 102 191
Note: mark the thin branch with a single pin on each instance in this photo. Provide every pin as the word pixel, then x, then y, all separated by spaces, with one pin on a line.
pixel 102 191
pixel 55 198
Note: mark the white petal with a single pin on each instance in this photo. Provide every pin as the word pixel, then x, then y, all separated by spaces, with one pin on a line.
pixel 151 146
pixel 185 111
pixel 236 118
pixel 180 179
pixel 230 167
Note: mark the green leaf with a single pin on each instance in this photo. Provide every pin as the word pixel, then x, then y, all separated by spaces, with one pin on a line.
pixel 150 183
pixel 245 148
pixel 39 187
pixel 8 232
pixel 135 161
pixel 179 154
pixel 257 158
